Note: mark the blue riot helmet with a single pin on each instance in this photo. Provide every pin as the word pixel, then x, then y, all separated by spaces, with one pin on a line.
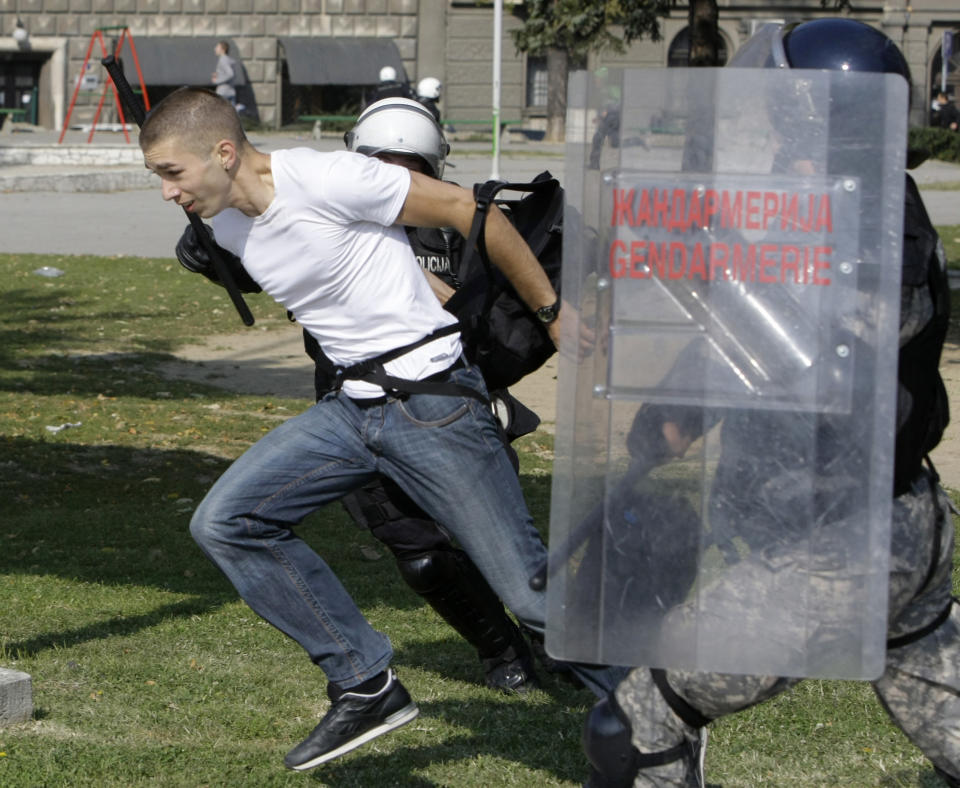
pixel 842 45
pixel 831 44
pixel 839 45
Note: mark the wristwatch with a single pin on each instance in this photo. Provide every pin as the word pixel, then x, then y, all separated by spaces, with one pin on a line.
pixel 547 314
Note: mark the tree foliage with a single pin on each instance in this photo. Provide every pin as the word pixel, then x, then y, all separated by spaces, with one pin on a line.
pixel 581 26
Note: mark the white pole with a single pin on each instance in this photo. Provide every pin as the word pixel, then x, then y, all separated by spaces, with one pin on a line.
pixel 497 30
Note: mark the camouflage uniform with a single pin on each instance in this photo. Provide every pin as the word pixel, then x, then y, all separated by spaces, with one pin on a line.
pixel 920 686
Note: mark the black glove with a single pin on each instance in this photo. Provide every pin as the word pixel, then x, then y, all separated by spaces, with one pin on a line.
pixel 195 259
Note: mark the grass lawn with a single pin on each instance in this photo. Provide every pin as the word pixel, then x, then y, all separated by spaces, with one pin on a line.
pixel 950 235
pixel 147 669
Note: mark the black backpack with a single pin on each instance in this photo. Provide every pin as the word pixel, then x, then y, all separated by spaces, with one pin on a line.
pixel 501 335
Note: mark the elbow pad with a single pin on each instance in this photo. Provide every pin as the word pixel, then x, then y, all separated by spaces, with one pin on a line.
pixel 193 256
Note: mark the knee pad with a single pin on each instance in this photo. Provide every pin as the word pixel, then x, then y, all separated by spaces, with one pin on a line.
pixel 429 571
pixel 454 587
pixel 614 761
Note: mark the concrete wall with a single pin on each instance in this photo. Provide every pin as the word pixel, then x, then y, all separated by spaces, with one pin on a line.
pixel 254 26
pixel 469 65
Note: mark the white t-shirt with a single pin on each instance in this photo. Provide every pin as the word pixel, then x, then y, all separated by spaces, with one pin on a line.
pixel 327 249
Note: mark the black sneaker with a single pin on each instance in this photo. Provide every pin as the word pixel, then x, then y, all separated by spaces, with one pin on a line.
pixel 352 720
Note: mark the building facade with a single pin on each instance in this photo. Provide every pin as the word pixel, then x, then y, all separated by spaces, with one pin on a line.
pixel 317 57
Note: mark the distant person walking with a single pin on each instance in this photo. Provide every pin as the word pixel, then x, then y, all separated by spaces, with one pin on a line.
pixel 225 75
pixel 949 115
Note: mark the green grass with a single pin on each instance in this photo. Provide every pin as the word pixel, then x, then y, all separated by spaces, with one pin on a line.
pixel 147 670
pixel 950 236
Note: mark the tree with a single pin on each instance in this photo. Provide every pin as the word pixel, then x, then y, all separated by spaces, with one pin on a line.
pixel 568 30
pixel 704 33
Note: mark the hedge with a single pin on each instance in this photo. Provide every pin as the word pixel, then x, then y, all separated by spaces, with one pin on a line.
pixel 942 144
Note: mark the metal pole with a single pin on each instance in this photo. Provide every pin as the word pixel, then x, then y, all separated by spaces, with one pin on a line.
pixel 497 31
pixel 946 50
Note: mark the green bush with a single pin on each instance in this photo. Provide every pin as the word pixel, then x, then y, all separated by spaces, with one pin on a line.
pixel 942 144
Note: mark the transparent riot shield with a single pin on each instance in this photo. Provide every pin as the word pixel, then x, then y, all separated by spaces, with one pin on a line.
pixel 723 474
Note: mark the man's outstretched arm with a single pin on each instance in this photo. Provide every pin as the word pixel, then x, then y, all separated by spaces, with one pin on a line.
pixel 433 203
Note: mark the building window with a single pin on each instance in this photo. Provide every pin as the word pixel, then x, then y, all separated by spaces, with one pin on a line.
pixel 537 82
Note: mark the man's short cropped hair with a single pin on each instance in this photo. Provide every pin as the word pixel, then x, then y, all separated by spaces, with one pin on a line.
pixel 197 117
pixel 226 47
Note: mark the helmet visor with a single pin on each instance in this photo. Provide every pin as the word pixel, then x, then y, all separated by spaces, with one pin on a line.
pixel 763 50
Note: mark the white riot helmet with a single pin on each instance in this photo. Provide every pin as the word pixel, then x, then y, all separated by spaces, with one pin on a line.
pixel 388 74
pixel 429 88
pixel 399 125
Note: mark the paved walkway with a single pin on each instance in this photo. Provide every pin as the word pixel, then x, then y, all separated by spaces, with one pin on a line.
pixel 83 198
pixel 80 198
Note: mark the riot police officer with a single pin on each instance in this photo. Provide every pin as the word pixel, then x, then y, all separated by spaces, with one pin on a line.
pixel 652 729
pixel 390 86
pixel 428 94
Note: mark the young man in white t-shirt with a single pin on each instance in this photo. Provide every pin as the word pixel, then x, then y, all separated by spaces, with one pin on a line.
pixel 323 234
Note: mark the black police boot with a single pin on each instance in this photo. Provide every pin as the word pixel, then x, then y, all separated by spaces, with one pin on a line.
pixel 559 668
pixel 511 670
pixel 454 587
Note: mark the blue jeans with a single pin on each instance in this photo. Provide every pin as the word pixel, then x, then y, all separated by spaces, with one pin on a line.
pixel 444 451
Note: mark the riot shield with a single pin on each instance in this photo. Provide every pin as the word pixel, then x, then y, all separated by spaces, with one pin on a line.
pixel 723 473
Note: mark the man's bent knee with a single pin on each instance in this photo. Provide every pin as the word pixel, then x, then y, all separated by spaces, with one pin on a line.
pixel 209 524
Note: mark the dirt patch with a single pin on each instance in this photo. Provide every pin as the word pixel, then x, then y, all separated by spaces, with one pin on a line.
pixel 272 363
pixel 269 361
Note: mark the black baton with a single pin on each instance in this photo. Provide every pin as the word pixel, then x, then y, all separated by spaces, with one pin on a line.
pixel 589 527
pixel 127 96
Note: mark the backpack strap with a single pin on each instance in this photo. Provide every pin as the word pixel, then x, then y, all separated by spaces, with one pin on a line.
pixel 478 284
pixel 464 303
pixel 371 370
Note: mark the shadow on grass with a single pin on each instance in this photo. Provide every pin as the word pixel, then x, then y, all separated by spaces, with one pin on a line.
pixel 109 319
pixel 119 516
pixel 535 736
pixel 113 627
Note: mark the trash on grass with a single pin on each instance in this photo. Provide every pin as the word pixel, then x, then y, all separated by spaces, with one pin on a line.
pixel 65 426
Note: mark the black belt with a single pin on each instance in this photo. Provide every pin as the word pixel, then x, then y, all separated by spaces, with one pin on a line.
pixel 369 402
